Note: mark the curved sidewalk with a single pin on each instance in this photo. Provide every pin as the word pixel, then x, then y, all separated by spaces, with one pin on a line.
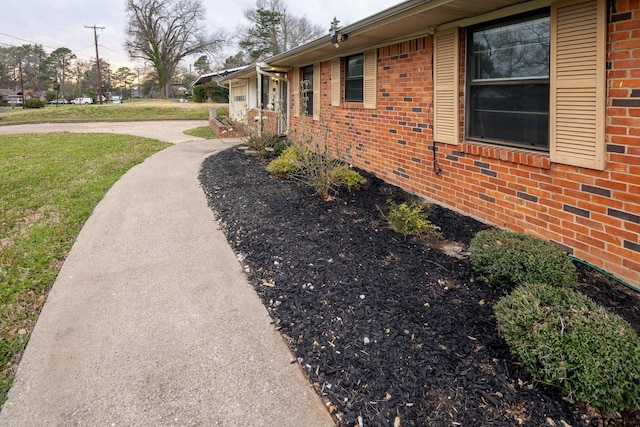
pixel 151 321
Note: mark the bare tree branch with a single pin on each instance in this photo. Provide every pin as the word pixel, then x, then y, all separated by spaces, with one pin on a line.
pixel 164 32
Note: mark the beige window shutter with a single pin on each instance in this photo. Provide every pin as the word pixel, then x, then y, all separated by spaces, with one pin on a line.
pixel 296 92
pixel 369 80
pixel 335 82
pixel 577 83
pixel 446 72
pixel 316 91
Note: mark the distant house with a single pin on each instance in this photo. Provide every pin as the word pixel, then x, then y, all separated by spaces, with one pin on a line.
pixel 10 97
pixel 215 77
pixel 260 89
pixel 524 114
pixel 34 94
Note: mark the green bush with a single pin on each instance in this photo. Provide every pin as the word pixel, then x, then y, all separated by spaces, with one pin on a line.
pixel 280 146
pixel 289 161
pixel 344 176
pixel 510 259
pixel 564 339
pixel 409 219
pixel 198 93
pixel 34 103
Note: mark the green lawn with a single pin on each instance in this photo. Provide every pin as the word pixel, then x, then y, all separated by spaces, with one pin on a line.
pixel 202 132
pixel 129 110
pixel 49 185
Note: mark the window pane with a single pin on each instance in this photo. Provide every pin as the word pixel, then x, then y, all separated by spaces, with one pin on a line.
pixel 512 51
pixel 264 97
pixel 307 78
pixel 307 90
pixel 353 90
pixel 355 66
pixel 354 78
pixel 511 113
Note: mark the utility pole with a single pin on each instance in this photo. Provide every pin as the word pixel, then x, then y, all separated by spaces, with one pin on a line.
pixel 95 35
pixel 21 80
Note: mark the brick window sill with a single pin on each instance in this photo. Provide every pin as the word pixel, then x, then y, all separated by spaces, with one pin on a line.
pixel 507 154
pixel 353 105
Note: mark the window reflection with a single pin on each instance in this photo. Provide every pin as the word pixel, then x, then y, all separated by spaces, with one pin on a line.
pixel 354 78
pixel 508 88
pixel 511 51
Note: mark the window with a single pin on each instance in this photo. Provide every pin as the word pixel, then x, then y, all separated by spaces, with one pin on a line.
pixel 508 82
pixel 264 96
pixel 562 113
pixel 354 78
pixel 307 90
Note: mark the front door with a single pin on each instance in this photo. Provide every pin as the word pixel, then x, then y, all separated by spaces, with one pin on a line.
pixel 283 114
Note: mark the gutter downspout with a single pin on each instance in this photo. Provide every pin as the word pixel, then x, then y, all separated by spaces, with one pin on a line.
pixel 436 168
pixel 259 97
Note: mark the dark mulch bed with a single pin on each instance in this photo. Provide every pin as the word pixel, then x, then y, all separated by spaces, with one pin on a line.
pixel 385 327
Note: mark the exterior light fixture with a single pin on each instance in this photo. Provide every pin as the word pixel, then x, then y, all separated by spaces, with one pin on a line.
pixel 337 38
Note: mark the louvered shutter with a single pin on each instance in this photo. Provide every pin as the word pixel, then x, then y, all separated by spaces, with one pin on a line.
pixel 335 82
pixel 296 92
pixel 369 80
pixel 577 83
pixel 446 81
pixel 316 91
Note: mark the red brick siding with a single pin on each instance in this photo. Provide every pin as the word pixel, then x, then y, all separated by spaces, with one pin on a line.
pixel 594 214
pixel 269 120
pixel 224 131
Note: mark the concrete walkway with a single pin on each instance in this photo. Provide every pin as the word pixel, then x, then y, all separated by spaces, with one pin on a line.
pixel 170 130
pixel 151 321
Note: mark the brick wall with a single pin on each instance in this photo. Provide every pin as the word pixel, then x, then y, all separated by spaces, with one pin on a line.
pixel 269 121
pixel 594 215
pixel 226 131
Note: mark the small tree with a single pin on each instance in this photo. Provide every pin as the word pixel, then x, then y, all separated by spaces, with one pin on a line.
pixel 198 93
pixel 202 65
pixel 122 79
pixel 60 66
pixel 335 25
pixel 274 30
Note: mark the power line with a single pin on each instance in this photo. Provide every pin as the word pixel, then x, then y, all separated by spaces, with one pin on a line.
pixel 43 45
pixel 25 40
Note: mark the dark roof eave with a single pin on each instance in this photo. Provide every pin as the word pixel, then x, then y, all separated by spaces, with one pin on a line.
pixel 221 73
pixel 356 26
pixel 367 32
pixel 388 26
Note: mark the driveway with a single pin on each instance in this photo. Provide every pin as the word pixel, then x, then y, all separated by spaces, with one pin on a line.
pixel 166 130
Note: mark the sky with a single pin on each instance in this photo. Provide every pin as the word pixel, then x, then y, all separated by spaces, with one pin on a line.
pixel 61 23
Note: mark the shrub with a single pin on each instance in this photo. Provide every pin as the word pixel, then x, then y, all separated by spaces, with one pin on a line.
pixel 34 103
pixel 409 219
pixel 198 93
pixel 262 142
pixel 315 171
pixel 510 259
pixel 322 173
pixel 289 161
pixel 280 146
pixel 344 176
pixel 564 339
